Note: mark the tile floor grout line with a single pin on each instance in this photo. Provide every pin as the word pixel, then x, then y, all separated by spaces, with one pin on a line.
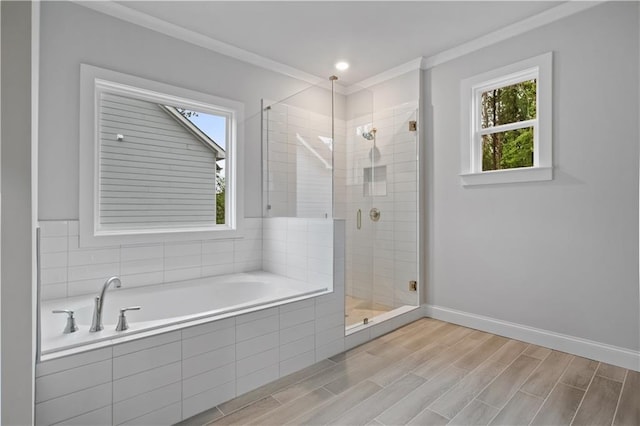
pixel 525 381
pixel 624 380
pixel 481 390
pixel 585 393
pixel 544 400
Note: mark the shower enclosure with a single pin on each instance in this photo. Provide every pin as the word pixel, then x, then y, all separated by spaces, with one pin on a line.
pixel 332 155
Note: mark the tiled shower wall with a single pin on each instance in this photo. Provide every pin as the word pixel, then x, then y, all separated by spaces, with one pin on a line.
pixel 298 156
pixel 69 270
pixel 300 248
pixel 381 256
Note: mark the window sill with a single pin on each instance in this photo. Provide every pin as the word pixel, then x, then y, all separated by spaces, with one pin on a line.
pixel 529 174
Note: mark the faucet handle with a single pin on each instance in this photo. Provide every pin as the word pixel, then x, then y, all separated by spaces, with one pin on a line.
pixel 122 319
pixel 71 321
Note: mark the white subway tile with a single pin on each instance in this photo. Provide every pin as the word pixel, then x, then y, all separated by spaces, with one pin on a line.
pixel 250 266
pixel 253 316
pixel 53 244
pixel 140 280
pixel 217 247
pixel 141 252
pixel 104 271
pixel 90 286
pixel 257 345
pixel 54 260
pixel 54 275
pixel 288 335
pixel 131 267
pixel 210 271
pixel 324 337
pixel 169 415
pixel 291 318
pixel 183 249
pixel 53 228
pixel 294 306
pixel 208 380
pixel 147 359
pixel 205 400
pixel 209 327
pixel 182 274
pixel 330 349
pixel 74 228
pixel 218 258
pixel 72 361
pixel 73 242
pixel 297 363
pixel 99 417
pixel 182 262
pixel 256 379
pixel 73 380
pixel 329 321
pixel 297 347
pixel 53 291
pixel 146 403
pixel 92 257
pixel 146 381
pixel 253 329
pixel 146 343
pixel 73 405
pixel 208 361
pixel 208 342
pixel 257 362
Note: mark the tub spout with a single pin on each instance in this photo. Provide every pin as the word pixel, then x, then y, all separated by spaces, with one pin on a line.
pixel 96 324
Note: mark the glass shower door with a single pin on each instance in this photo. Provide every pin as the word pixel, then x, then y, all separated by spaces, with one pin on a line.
pixel 382 214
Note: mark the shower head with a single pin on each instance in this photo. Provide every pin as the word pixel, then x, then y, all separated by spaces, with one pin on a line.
pixel 370 135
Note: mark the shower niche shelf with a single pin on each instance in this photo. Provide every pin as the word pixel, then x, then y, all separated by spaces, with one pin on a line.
pixel 375 181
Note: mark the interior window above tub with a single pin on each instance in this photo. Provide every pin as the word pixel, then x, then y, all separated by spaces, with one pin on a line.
pixel 157 162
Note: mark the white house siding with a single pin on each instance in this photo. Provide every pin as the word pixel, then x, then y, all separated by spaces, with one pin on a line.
pixel 159 175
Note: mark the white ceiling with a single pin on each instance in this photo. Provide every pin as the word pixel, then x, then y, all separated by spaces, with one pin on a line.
pixel 373 36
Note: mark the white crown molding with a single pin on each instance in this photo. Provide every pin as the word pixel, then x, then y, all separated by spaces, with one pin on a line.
pixel 548 16
pixel 543 18
pixel 142 19
pixel 414 64
pixel 147 21
pixel 623 357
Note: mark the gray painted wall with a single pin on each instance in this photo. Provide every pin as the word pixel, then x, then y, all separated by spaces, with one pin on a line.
pixel 559 255
pixel 17 315
pixel 72 34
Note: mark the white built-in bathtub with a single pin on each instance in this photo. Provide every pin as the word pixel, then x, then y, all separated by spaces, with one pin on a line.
pixel 166 307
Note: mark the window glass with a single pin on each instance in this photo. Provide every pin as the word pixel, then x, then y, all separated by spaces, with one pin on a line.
pixel 507 150
pixel 508 104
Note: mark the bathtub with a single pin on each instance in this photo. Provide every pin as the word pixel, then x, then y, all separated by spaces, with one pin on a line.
pixel 166 307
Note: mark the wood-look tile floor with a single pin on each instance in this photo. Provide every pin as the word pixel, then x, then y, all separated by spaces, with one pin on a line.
pixel 435 373
pixel 356 310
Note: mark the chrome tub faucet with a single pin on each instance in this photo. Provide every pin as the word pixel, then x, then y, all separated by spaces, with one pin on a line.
pixel 96 324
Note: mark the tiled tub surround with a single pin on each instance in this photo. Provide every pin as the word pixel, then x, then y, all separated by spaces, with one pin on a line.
pixel 174 375
pixel 69 270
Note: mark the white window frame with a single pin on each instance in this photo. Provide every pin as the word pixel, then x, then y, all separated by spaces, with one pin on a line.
pixel 539 68
pixel 93 82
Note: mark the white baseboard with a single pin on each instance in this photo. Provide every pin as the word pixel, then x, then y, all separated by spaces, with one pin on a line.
pixel 622 357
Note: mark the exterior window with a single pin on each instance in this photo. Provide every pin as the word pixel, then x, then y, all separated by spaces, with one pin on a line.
pixel 158 162
pixel 507 124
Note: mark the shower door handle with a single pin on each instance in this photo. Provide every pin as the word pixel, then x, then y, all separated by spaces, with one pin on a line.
pixel 359 219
